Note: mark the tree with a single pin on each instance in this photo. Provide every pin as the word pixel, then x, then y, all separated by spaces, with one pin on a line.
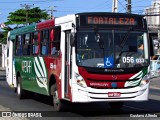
pixel 3 35
pixel 19 16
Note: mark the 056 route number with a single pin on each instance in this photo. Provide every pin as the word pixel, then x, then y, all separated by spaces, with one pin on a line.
pixel 132 60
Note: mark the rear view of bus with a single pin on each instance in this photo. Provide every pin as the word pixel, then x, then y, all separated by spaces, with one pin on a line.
pixel 112 58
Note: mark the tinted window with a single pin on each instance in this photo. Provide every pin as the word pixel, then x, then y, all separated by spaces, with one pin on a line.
pixel 26 46
pixel 35 45
pixel 19 45
pixel 55 40
pixel 44 42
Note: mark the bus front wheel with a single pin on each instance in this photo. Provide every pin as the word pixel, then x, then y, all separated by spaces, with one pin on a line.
pixel 58 104
pixel 116 105
pixel 20 91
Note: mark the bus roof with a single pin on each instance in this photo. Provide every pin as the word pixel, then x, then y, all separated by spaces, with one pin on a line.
pixel 45 24
pixel 29 28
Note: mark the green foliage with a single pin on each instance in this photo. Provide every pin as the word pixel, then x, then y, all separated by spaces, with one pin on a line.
pixel 3 37
pixel 19 17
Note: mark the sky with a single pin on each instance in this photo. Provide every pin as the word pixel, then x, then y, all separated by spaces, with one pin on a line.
pixel 64 7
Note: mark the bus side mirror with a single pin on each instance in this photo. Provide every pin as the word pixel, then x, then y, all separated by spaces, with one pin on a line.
pixel 72 39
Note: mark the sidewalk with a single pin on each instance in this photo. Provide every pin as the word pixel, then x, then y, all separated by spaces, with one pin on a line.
pixel 2 69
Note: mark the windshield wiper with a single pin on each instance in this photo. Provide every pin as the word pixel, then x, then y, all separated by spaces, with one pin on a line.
pixel 101 44
pixel 123 41
pixel 99 41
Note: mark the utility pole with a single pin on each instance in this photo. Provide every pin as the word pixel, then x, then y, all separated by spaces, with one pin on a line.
pixel 128 6
pixel 27 7
pixel 115 6
pixel 51 10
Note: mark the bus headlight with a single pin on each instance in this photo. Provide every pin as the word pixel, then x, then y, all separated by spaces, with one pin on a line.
pixel 145 80
pixel 80 81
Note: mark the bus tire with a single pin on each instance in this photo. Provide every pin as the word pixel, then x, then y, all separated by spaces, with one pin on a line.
pixel 58 105
pixel 116 105
pixel 15 90
pixel 20 91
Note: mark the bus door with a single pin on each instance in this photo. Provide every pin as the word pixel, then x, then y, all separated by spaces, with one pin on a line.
pixel 9 66
pixel 67 63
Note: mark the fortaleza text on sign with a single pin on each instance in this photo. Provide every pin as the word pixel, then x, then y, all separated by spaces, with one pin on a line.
pixel 111 20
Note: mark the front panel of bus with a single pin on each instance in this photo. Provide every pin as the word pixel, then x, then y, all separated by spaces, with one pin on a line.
pixel 112 58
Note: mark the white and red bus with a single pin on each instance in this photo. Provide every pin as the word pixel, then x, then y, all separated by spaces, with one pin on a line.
pixel 84 57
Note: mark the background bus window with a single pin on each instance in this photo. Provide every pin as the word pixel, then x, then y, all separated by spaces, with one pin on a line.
pixel 44 42
pixel 156 47
pixel 55 40
pixel 19 45
pixel 26 46
pixel 35 45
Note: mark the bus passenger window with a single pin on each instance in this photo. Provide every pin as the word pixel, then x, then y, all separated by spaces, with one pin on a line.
pixel 26 46
pixel 35 49
pixel 53 51
pixel 44 42
pixel 55 36
pixel 19 45
pixel 35 45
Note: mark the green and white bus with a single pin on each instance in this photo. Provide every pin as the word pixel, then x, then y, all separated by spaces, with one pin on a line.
pixel 84 57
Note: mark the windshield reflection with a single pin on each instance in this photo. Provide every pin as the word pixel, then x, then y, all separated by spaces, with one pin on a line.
pixel 111 49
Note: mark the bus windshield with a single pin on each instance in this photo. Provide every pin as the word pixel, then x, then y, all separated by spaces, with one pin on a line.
pixel 112 49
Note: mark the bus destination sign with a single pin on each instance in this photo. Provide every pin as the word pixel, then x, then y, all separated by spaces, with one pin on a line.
pixel 98 20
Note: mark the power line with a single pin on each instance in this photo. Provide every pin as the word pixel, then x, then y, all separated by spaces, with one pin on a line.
pixel 99 5
pixel 105 6
pixel 46 1
pixel 121 5
pixel 140 6
pixel 108 4
pixel 138 11
pixel 67 11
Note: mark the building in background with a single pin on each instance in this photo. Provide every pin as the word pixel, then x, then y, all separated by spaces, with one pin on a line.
pixel 154 18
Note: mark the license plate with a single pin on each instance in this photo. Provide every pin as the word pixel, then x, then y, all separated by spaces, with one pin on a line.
pixel 114 94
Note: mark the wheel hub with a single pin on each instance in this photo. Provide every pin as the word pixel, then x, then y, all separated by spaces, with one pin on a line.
pixel 18 89
pixel 56 100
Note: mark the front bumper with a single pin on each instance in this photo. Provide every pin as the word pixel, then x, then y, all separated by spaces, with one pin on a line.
pixel 80 94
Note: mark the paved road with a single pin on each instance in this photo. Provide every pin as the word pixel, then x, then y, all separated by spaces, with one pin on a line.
pixel 39 103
